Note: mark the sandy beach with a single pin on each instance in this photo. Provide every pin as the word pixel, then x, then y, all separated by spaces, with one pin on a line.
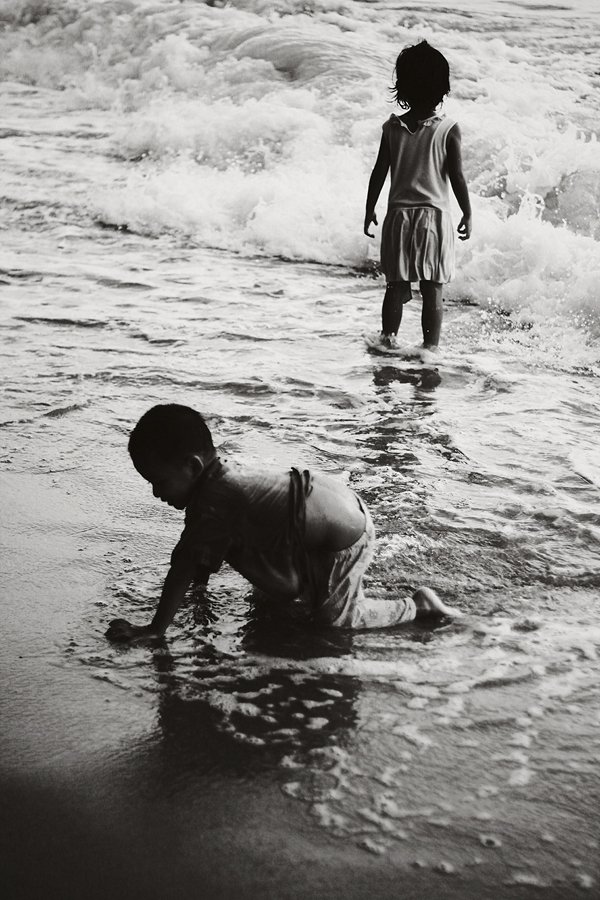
pixel 183 193
pixel 116 792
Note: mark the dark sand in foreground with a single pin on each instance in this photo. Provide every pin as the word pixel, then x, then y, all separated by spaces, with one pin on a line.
pixel 102 800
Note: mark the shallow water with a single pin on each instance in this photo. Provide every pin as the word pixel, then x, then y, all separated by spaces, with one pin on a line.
pixel 157 248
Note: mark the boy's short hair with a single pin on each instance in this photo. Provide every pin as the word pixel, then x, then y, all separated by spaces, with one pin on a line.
pixel 422 76
pixel 170 432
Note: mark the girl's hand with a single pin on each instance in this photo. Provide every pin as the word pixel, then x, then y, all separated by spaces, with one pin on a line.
pixel 122 632
pixel 464 228
pixel 369 217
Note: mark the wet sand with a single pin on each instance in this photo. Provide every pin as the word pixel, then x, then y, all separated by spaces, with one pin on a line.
pixel 65 843
pixel 118 793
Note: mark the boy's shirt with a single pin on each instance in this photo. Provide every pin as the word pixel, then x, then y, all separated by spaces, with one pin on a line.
pixel 240 516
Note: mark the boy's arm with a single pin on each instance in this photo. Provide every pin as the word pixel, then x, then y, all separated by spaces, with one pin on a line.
pixel 457 180
pixel 178 579
pixel 376 182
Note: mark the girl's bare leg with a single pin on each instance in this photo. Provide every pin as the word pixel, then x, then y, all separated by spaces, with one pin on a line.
pixel 397 293
pixel 432 313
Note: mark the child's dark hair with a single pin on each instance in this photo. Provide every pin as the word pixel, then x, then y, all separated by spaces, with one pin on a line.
pixel 422 77
pixel 170 432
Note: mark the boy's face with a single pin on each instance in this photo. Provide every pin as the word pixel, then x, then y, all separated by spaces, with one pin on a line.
pixel 172 482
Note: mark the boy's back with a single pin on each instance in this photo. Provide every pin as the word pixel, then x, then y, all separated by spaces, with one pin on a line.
pixel 248 518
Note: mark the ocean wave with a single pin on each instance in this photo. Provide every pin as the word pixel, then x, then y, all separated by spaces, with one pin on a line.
pixel 252 128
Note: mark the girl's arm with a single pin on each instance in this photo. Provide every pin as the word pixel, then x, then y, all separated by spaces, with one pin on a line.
pixel 457 180
pixel 376 181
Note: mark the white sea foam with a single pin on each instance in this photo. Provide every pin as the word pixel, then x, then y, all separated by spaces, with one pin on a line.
pixel 254 130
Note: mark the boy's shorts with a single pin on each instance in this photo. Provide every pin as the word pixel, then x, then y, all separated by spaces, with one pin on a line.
pixel 332 584
pixel 346 605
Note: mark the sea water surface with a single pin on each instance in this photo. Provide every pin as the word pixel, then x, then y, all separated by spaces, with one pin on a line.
pixel 183 189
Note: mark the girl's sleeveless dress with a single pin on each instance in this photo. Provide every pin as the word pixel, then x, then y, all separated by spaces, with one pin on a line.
pixel 417 238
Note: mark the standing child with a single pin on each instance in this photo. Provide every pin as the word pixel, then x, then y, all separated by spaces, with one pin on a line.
pixel 422 148
pixel 295 535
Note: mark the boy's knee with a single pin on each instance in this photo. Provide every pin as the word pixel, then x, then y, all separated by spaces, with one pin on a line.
pixel 335 612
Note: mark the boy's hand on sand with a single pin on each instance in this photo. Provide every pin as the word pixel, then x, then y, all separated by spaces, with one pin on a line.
pixel 464 228
pixel 369 217
pixel 429 604
pixel 122 632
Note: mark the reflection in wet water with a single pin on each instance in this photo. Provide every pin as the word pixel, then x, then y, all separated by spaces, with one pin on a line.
pixel 447 747
pixel 244 720
pixel 423 378
pixel 256 706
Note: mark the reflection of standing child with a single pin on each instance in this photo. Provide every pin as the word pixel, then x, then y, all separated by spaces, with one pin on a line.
pixel 294 535
pixel 422 150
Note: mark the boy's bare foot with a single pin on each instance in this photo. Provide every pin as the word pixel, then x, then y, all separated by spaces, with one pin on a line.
pixel 429 604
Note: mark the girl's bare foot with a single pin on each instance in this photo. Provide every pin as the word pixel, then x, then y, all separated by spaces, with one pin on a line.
pixel 429 604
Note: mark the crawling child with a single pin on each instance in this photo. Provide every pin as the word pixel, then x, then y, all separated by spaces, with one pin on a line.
pixel 295 535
